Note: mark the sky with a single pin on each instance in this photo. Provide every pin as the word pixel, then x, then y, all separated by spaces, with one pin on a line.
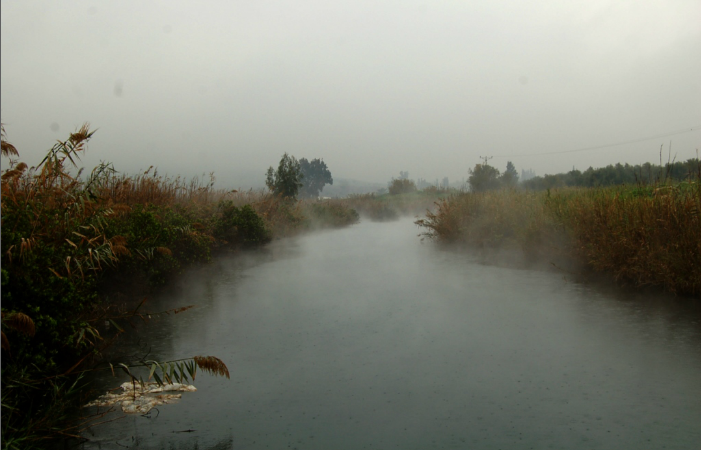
pixel 371 87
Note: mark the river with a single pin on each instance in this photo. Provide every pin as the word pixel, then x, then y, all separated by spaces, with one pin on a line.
pixel 369 338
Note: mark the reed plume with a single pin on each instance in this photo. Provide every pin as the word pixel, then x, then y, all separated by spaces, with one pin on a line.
pixel 213 365
pixel 19 322
pixel 7 148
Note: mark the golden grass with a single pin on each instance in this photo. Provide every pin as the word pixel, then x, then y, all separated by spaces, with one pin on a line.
pixel 646 236
pixel 491 219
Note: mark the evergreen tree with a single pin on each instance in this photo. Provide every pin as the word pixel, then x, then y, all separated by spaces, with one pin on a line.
pixel 510 177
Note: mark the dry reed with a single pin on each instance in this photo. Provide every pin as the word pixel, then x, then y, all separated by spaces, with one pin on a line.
pixel 645 236
pixel 213 365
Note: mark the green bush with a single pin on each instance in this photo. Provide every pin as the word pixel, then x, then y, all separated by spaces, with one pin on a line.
pixel 239 226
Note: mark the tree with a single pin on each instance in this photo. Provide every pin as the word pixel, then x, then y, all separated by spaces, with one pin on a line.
pixel 483 178
pixel 287 180
pixel 510 177
pixel 401 186
pixel 316 174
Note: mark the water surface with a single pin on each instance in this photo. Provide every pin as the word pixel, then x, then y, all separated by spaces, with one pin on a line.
pixel 368 338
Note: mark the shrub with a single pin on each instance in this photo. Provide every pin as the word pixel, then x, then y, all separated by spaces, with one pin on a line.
pixel 239 225
pixel 401 186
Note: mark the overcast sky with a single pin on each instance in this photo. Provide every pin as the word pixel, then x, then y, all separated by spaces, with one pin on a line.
pixel 372 87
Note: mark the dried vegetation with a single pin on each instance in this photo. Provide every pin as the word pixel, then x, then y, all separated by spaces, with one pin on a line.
pixel 644 235
pixel 65 234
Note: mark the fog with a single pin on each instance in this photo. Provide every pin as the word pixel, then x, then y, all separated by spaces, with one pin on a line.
pixel 366 337
pixel 371 87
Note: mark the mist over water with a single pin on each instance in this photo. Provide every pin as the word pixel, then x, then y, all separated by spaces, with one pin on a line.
pixel 368 338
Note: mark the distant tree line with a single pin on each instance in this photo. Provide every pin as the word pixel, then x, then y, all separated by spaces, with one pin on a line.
pixel 308 178
pixel 404 185
pixel 484 177
pixel 619 174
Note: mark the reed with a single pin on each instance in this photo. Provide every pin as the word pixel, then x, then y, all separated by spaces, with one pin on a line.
pixel 641 235
pixel 645 236
pixel 66 235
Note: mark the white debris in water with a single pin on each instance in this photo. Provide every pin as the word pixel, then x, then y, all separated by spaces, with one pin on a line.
pixel 136 398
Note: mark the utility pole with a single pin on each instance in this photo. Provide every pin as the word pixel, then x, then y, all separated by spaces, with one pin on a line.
pixel 486 160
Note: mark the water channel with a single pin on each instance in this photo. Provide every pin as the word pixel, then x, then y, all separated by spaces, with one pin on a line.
pixel 368 338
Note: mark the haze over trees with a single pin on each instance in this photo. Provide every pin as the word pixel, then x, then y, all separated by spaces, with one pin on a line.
pixel 484 178
pixel 315 176
pixel 287 179
pixel 401 185
pixel 618 174
pixel 510 177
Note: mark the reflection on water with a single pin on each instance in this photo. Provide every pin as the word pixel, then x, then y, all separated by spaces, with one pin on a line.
pixel 368 338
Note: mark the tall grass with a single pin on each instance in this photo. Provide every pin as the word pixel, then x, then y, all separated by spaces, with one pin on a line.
pixel 640 235
pixel 648 236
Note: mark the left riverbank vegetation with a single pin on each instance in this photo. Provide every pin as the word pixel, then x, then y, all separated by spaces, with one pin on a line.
pixel 640 225
pixel 71 238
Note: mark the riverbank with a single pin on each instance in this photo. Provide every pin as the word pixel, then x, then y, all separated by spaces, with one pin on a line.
pixel 66 236
pixel 637 235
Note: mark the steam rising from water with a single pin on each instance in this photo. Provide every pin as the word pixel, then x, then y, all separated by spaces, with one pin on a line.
pixel 367 338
